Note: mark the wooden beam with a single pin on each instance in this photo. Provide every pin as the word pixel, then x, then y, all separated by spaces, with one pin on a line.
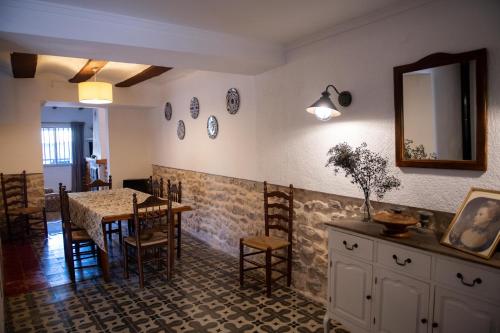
pixel 146 74
pixel 23 65
pixel 87 71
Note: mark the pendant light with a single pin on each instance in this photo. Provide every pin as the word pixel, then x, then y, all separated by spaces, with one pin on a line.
pixel 95 92
pixel 324 109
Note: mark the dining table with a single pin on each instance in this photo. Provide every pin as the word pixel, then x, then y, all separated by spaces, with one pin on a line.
pixel 93 211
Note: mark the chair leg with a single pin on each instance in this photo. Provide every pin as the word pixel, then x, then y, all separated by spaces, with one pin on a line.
pixel 109 231
pixel 268 272
pixel 140 268
pixel 120 235
pixel 125 261
pixel 130 227
pixel 158 258
pixel 289 267
pixel 26 223
pixel 242 272
pixel 179 229
pixel 44 216
pixel 77 250
pixel 9 232
pixel 71 266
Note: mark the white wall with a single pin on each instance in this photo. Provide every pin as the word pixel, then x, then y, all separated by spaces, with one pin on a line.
pixel 53 175
pixel 291 145
pixel 129 144
pixel 233 152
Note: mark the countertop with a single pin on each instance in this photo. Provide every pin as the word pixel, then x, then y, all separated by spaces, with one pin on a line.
pixel 428 240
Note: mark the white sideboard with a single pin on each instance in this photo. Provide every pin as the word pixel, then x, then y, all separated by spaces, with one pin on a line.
pixel 376 284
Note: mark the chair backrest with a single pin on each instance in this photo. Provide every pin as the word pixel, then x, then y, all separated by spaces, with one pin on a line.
pixel 67 230
pixel 98 184
pixel 175 191
pixel 61 188
pixel 65 214
pixel 155 187
pixel 14 191
pixel 278 211
pixel 151 215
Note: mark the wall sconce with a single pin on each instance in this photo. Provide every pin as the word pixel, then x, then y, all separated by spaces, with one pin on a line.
pixel 324 109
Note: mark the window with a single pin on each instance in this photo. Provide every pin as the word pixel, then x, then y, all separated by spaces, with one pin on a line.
pixel 56 145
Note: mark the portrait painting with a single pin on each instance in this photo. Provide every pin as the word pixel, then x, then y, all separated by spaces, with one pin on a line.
pixel 476 226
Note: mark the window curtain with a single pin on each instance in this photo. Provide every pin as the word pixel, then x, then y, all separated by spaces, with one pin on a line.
pixel 78 158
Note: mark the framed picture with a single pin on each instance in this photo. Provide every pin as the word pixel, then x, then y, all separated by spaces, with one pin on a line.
pixel 476 226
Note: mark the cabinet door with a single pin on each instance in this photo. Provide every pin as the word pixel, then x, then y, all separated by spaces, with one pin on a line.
pixel 351 283
pixel 401 303
pixel 456 313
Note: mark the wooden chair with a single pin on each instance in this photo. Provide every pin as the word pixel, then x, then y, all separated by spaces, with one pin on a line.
pixel 155 187
pixel 153 221
pixel 78 246
pixel 98 185
pixel 268 244
pixel 176 193
pixel 16 207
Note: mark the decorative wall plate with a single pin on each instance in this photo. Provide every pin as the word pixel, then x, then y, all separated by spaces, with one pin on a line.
pixel 181 130
pixel 212 127
pixel 232 101
pixel 194 107
pixel 168 111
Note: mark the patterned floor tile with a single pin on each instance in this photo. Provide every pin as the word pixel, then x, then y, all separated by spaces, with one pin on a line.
pixel 203 296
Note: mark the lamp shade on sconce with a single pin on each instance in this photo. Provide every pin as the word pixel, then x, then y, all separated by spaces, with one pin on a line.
pixel 324 109
pixel 95 92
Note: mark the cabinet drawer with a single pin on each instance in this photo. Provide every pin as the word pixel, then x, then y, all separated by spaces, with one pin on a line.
pixel 469 279
pixel 397 258
pixel 352 245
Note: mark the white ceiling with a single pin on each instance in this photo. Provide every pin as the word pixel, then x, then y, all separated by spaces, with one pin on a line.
pixel 232 36
pixel 277 21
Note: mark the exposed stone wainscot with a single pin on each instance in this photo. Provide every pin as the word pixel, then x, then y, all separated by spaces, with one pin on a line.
pixel 226 209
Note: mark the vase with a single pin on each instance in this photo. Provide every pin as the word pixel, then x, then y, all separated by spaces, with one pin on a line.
pixel 367 209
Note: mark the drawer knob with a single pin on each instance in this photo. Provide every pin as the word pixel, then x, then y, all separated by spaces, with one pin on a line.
pixel 368 297
pixel 434 325
pixel 350 248
pixel 468 284
pixel 423 321
pixel 401 263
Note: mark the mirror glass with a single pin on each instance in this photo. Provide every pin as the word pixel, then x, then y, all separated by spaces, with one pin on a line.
pixel 439 113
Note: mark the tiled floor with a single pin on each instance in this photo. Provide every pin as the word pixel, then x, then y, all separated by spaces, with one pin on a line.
pixel 203 296
pixel 39 263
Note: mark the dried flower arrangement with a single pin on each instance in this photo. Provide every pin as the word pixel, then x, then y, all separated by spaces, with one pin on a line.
pixel 366 169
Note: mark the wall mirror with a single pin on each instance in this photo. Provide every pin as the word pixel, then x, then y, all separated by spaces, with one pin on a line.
pixel 440 104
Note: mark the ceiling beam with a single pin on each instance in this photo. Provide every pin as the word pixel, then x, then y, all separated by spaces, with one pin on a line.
pixel 146 74
pixel 87 70
pixel 23 65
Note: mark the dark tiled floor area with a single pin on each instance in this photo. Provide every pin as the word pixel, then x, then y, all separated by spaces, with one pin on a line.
pixel 203 296
pixel 38 263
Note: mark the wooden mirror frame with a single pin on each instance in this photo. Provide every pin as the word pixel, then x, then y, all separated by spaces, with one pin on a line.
pixel 435 60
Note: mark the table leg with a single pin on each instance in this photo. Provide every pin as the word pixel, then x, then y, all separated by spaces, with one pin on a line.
pixel 104 257
pixel 171 249
pixel 326 323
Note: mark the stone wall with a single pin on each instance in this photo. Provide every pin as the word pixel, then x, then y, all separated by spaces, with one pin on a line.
pixel 36 194
pixel 226 209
